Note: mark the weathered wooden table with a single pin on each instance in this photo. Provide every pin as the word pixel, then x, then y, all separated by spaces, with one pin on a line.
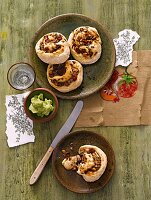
pixel 132 145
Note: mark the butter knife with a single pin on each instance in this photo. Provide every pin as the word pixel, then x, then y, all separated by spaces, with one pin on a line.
pixel 62 132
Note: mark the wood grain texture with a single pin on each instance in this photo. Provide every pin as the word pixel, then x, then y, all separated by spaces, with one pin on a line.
pixel 18 22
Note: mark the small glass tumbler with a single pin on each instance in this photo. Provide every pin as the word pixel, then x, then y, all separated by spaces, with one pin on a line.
pixel 21 76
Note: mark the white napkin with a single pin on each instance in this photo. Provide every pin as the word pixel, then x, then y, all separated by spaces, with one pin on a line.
pixel 19 128
pixel 124 46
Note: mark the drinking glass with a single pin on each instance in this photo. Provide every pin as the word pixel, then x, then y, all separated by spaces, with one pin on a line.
pixel 21 76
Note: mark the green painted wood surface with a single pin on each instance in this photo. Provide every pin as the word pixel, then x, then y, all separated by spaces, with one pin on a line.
pixel 19 20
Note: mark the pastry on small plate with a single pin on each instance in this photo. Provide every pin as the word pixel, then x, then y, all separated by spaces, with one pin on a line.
pixel 85 44
pixel 65 77
pixel 53 48
pixel 94 162
pixel 90 163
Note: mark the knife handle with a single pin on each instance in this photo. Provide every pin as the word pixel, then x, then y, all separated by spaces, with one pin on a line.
pixel 41 166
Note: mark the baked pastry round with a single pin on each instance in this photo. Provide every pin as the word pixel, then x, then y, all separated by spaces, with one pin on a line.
pixel 94 162
pixel 65 77
pixel 85 44
pixel 53 48
pixel 70 163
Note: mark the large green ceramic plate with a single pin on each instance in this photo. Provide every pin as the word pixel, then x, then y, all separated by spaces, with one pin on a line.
pixel 95 75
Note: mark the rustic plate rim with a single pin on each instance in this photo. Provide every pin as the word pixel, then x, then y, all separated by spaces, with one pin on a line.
pixel 79 96
pixel 76 190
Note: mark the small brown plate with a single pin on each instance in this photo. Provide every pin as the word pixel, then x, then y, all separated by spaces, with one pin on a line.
pixel 48 94
pixel 95 75
pixel 71 143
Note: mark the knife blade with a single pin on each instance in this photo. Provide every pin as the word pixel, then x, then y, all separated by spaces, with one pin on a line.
pixel 62 132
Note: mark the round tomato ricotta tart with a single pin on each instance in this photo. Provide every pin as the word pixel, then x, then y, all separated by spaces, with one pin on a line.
pixel 85 44
pixel 53 48
pixel 65 77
